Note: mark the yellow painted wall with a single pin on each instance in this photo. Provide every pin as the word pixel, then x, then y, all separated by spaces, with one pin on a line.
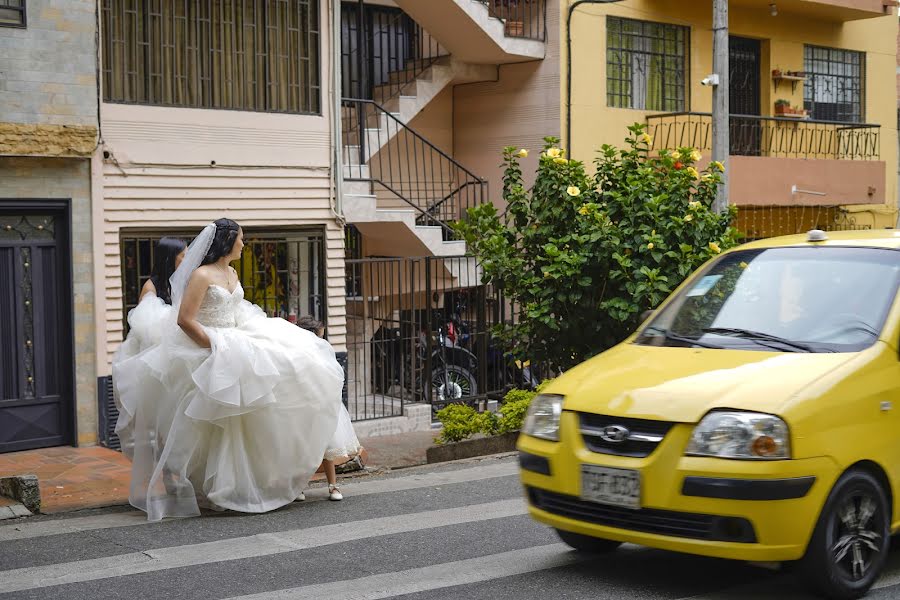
pixel 783 37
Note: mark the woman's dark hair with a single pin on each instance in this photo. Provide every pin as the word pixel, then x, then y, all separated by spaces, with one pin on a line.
pixel 226 234
pixel 310 323
pixel 167 250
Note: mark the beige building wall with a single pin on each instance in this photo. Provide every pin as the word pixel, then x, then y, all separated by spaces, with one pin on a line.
pixel 180 168
pixel 519 109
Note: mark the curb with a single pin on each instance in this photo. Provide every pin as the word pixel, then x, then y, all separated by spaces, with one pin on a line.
pixel 495 444
pixel 23 489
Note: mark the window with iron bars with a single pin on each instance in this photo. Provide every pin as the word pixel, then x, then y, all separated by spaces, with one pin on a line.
pixel 646 65
pixel 834 89
pixel 12 13
pixel 252 55
pixel 283 273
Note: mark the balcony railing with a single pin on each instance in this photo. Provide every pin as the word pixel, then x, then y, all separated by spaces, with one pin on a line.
pixel 522 18
pixel 769 136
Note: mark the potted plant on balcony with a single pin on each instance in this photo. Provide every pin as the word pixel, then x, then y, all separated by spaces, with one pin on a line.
pixel 782 107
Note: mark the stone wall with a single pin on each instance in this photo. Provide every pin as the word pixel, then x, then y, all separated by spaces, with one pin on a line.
pixel 48 80
pixel 67 178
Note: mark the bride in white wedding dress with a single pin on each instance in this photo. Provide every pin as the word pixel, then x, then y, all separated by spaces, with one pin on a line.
pixel 254 400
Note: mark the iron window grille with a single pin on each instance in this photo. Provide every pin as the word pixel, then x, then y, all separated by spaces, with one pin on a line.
pixel 283 273
pixel 12 13
pixel 251 55
pixel 834 89
pixel 646 65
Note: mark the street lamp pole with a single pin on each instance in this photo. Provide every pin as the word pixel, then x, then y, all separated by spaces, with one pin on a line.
pixel 720 119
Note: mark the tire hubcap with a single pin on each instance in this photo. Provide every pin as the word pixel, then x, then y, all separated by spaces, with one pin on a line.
pixel 857 535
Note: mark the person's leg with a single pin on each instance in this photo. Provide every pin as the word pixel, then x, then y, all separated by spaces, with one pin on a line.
pixel 333 492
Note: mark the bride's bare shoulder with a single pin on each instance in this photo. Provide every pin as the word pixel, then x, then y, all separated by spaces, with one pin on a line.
pixel 203 274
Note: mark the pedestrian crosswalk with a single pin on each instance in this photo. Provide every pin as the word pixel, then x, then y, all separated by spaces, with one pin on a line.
pixel 446 532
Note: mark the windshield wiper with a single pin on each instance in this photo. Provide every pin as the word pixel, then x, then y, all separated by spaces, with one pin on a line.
pixel 683 339
pixel 760 337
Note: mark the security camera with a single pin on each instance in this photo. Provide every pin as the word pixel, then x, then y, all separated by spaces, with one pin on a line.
pixel 710 80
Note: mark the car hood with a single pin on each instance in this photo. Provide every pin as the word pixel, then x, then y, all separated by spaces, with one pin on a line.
pixel 683 384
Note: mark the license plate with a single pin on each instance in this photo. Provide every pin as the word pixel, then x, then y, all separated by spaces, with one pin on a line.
pixel 618 487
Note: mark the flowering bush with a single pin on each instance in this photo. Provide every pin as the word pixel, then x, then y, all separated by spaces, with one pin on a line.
pixel 583 255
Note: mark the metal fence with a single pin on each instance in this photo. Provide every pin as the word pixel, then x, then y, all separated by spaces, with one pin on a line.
pixel 419 330
pixel 770 136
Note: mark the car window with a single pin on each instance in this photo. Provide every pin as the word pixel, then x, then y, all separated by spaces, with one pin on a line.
pixel 820 299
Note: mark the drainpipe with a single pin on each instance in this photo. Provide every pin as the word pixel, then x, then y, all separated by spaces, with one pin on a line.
pixel 336 133
pixel 571 12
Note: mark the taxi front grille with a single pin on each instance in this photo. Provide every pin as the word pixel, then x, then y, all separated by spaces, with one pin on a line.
pixel 645 520
pixel 643 435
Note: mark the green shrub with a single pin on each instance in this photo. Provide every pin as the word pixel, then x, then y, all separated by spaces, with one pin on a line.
pixel 584 254
pixel 461 422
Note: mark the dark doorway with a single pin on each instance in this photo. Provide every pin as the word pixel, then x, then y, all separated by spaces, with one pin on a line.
pixel 36 363
pixel 743 95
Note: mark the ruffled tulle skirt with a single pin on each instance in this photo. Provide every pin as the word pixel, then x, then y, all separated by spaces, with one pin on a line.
pixel 241 426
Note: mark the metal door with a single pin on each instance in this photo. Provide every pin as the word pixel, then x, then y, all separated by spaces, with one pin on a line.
pixel 36 367
pixel 743 95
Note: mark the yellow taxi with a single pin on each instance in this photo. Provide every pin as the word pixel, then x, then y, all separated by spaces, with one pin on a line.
pixel 755 415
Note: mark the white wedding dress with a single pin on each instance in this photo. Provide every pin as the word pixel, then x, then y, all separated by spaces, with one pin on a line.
pixel 242 425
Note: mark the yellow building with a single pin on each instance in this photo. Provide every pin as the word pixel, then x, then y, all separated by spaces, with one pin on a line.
pixel 813 81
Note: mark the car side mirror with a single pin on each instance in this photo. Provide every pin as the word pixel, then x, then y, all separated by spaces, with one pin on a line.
pixel 646 315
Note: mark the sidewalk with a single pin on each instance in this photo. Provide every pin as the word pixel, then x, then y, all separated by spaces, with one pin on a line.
pixel 79 478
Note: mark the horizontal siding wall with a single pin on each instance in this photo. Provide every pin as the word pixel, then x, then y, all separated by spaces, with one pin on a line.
pixel 166 198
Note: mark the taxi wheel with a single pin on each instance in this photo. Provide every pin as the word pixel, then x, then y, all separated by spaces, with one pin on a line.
pixel 586 543
pixel 850 544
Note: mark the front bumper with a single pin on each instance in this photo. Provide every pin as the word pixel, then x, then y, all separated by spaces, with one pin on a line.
pixel 744 510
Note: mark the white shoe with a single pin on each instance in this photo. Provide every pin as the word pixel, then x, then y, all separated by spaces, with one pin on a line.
pixel 301 497
pixel 334 493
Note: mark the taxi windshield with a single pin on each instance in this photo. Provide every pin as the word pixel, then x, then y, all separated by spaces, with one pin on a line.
pixel 794 299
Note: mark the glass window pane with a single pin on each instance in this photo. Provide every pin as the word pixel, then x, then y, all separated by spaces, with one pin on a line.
pixel 646 65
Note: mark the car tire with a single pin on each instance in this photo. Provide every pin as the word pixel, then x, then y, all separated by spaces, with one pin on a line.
pixel 586 543
pixel 850 543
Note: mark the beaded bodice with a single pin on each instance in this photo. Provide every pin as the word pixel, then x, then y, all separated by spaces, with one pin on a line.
pixel 219 306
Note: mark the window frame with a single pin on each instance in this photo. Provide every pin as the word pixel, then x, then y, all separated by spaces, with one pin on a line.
pixel 23 12
pixel 811 76
pixel 310 237
pixel 211 81
pixel 684 101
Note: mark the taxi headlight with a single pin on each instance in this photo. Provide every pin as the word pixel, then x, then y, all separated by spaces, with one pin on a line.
pixel 542 418
pixel 741 435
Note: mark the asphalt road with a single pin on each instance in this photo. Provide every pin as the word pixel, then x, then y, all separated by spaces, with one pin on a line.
pixel 445 532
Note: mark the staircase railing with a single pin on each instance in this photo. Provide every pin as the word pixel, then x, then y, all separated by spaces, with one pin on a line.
pixel 404 168
pixel 521 18
pixel 383 52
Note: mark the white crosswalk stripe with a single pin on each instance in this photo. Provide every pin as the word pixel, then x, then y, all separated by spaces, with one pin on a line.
pixel 248 546
pixel 413 480
pixel 432 577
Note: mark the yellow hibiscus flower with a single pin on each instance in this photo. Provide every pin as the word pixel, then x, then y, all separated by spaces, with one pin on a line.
pixel 646 138
pixel 694 205
pixel 523 153
pixel 714 247
pixel 695 155
pixel 717 164
pixel 583 210
pixel 554 152
pixel 688 218
pixel 693 172
pixel 573 191
pixel 560 160
pixel 650 246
